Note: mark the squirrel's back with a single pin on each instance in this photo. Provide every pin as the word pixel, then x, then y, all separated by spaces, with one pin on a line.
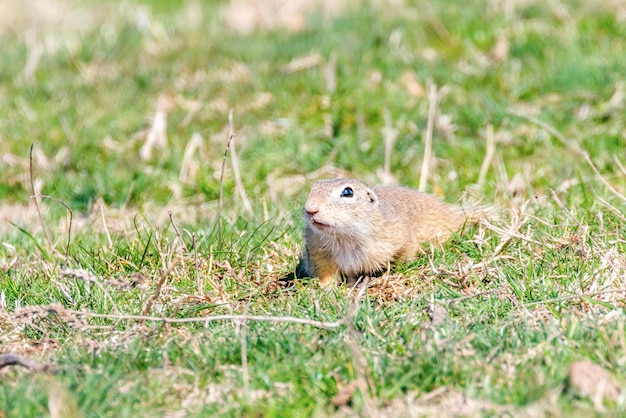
pixel 424 217
pixel 354 229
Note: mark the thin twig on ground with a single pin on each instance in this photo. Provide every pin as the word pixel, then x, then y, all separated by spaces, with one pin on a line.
pixel 10 359
pixel 206 319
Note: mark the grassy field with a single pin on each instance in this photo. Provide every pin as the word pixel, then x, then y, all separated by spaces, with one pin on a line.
pixel 150 285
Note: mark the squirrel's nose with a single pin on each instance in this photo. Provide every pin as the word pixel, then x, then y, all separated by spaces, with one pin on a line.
pixel 311 207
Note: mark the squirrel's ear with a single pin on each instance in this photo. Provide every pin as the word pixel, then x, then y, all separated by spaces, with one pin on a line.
pixel 372 196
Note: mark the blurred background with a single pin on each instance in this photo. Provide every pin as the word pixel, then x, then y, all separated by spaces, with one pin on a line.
pixel 127 103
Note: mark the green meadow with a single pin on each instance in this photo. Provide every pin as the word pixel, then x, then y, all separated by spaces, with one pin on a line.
pixel 155 157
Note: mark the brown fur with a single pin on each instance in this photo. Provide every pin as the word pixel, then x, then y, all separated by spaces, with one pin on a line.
pixel 362 234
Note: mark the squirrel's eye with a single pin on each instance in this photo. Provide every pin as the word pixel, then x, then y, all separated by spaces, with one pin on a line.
pixel 347 192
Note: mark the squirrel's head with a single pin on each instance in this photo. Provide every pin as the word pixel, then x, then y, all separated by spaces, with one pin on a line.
pixel 342 207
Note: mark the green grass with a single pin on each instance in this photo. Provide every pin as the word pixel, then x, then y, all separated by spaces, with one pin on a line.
pixel 521 302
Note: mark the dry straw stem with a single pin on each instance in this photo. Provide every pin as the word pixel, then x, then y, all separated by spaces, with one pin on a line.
pixel 88 277
pixel 157 291
pixel 508 234
pixel 178 234
pixel 195 265
pixel 619 164
pixel 390 135
pixel 490 152
pixel 612 208
pixel 330 73
pixel 572 146
pixel 238 182
pixel 518 219
pixel 581 296
pixel 69 227
pixel 565 210
pixel 36 196
pixel 433 104
pixel 29 314
pixel 221 201
pixel 157 135
pixel 104 224
pixel 235 162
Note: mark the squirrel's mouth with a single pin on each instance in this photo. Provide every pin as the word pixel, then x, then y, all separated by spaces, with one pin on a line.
pixel 318 225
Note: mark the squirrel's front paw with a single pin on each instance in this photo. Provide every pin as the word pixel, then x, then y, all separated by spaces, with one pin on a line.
pixel 327 282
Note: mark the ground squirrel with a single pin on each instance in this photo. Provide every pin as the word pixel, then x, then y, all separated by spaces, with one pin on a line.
pixel 356 230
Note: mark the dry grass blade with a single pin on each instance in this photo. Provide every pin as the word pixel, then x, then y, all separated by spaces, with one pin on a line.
pixel 612 208
pixel 608 185
pixel 489 153
pixel 390 134
pixel 572 146
pixel 157 135
pixel 237 172
pixel 29 314
pixel 195 265
pixel 433 104
pixel 620 165
pixel 581 296
pixel 330 73
pixel 157 291
pixel 35 196
pixel 38 196
pixel 178 234
pixel 231 135
pixel 69 227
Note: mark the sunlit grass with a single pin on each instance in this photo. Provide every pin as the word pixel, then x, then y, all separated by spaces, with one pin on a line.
pixel 520 298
